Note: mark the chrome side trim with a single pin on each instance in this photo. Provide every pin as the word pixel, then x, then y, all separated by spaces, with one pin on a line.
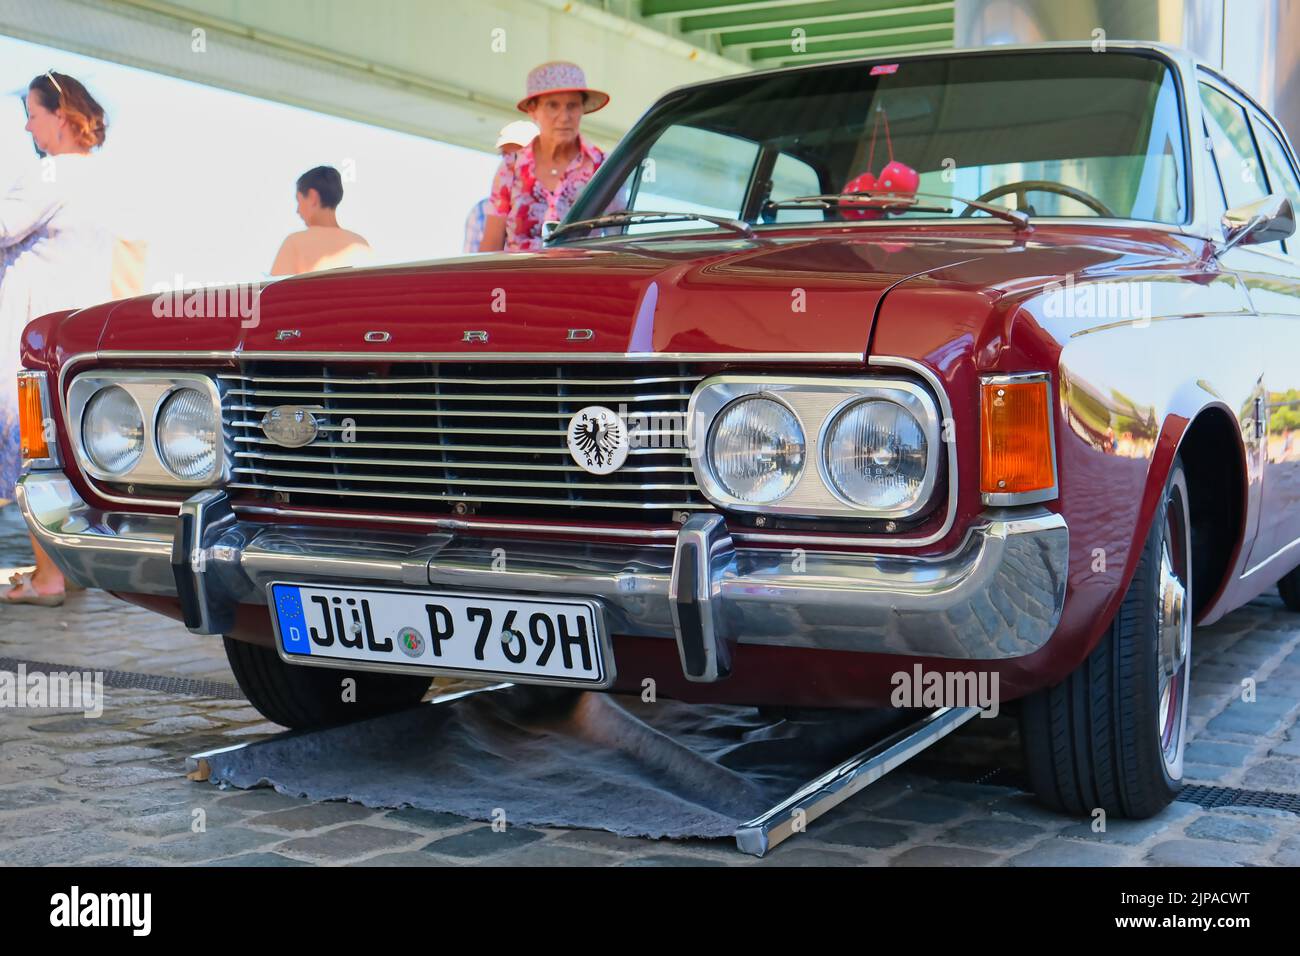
pixel 1285 549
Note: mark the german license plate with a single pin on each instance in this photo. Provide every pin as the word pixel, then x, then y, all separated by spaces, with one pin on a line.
pixel 524 637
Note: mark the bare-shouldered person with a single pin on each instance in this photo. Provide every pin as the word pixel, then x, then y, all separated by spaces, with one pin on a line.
pixel 324 244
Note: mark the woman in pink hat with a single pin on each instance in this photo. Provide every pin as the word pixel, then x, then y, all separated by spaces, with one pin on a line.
pixel 541 181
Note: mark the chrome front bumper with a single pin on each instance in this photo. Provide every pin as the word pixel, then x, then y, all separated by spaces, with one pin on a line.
pixel 997 595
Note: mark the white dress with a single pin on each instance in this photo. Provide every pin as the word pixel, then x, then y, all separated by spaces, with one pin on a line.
pixel 56 253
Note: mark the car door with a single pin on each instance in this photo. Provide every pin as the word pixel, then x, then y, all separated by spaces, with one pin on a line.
pixel 1253 162
pixel 1282 374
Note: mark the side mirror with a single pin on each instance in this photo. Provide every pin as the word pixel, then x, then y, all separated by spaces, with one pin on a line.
pixel 1265 220
pixel 548 227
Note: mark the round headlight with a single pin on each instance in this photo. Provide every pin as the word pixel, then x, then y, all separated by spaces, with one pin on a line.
pixel 112 430
pixel 756 450
pixel 188 435
pixel 876 453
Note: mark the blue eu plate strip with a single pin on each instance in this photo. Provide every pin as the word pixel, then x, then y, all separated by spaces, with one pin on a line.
pixel 293 624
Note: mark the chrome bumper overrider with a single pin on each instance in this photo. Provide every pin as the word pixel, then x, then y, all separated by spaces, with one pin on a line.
pixel 997 595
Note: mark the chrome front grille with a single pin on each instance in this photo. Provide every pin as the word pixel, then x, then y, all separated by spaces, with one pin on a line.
pixel 485 437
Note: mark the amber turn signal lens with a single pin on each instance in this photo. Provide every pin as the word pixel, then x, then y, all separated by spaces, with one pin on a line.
pixel 31 416
pixel 1016 438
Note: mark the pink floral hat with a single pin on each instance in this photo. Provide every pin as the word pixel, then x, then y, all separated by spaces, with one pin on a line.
pixel 560 76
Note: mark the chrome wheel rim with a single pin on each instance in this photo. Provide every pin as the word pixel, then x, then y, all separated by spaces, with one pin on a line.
pixel 1174 634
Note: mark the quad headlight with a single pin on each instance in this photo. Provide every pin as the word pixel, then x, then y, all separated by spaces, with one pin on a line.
pixel 147 428
pixel 112 430
pixel 815 446
pixel 876 455
pixel 756 447
pixel 188 433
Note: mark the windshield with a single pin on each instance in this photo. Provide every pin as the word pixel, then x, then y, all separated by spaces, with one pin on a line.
pixel 1054 134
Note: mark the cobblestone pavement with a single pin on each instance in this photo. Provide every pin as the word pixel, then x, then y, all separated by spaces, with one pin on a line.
pixel 112 790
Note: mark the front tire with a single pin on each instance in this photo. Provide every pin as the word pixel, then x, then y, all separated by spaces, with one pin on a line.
pixel 304 698
pixel 1111 735
pixel 1289 589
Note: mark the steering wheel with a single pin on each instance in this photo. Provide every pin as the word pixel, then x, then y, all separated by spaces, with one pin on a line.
pixel 1045 186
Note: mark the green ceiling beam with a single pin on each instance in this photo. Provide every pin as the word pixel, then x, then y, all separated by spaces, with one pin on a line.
pixel 850 46
pixel 805 59
pixel 858 26
pixel 680 8
pixel 750 15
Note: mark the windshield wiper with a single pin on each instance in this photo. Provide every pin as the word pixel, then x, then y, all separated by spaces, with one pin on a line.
pixel 883 199
pixel 626 216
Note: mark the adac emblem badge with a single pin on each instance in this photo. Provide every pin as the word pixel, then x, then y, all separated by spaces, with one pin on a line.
pixel 598 440
pixel 290 426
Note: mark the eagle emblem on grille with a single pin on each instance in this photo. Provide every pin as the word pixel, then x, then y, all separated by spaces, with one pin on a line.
pixel 290 426
pixel 598 440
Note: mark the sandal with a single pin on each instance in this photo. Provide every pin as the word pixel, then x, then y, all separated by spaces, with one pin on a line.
pixel 24 592
pixel 21 573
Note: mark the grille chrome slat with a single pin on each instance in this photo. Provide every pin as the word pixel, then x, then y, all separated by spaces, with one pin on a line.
pixel 430 412
pixel 283 380
pixel 452 463
pixel 489 435
pixel 407 429
pixel 630 505
pixel 466 397
pixel 477 482
pixel 406 446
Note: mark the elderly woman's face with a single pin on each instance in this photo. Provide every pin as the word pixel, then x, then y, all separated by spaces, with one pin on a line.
pixel 558 115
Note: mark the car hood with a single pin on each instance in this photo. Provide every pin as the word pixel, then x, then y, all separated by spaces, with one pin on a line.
pixel 816 294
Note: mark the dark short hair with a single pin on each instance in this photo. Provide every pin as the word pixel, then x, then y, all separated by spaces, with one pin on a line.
pixel 326 181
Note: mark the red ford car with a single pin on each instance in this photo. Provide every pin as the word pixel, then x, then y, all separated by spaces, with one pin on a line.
pixel 981 362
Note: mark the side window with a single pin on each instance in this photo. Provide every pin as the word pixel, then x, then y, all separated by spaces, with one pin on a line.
pixel 1281 174
pixel 693 170
pixel 1239 165
pixel 1218 199
pixel 1233 148
pixel 793 177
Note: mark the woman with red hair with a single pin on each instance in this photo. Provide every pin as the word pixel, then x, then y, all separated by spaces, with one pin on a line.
pixel 56 253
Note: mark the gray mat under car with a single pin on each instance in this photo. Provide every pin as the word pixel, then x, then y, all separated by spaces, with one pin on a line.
pixel 593 761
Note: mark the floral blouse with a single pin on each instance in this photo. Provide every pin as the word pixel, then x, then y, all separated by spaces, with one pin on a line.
pixel 519 196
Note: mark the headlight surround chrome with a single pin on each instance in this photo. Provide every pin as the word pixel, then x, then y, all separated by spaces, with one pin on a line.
pixel 188 433
pixel 150 392
pixel 112 430
pixel 822 407
pixel 756 450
